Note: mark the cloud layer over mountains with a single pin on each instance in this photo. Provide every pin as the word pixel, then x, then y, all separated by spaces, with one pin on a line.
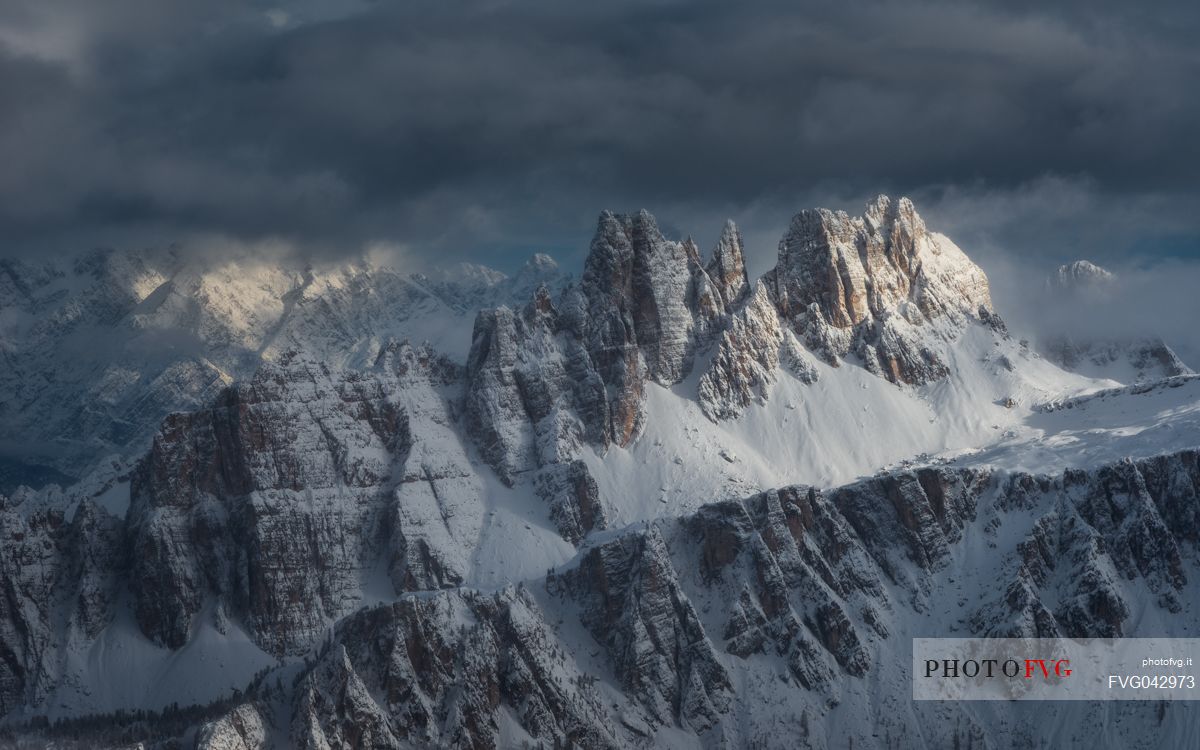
pixel 482 129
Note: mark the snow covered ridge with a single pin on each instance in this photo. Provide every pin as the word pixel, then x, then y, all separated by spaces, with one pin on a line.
pixel 778 617
pixel 759 620
pixel 1178 381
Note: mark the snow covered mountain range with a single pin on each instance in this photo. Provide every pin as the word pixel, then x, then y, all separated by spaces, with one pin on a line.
pixel 664 505
pixel 96 351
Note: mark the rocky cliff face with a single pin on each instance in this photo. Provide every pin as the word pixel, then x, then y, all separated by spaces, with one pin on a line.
pixel 880 287
pixel 875 286
pixel 649 303
pixel 59 573
pixel 301 470
pixel 532 397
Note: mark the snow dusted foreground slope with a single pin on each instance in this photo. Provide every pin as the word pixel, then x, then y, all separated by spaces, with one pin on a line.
pixel 663 507
pixel 781 620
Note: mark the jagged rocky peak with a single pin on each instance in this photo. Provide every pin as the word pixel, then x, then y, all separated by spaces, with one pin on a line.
pixel 655 299
pixel 575 368
pixel 641 290
pixel 727 269
pixel 1081 274
pixel 858 268
pixel 867 284
pixel 561 372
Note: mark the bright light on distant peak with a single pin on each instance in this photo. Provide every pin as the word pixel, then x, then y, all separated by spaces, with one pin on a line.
pixel 390 254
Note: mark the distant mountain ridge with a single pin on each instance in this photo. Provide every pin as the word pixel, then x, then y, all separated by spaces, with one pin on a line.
pixel 99 350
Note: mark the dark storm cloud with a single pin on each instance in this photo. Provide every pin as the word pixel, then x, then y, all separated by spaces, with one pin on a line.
pixel 488 127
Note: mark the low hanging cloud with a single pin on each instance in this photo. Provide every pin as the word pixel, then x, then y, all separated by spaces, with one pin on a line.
pixel 1020 237
pixel 1155 300
pixel 487 130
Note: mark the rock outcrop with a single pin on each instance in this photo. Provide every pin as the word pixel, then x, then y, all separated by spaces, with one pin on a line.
pixel 574 370
pixel 457 669
pixel 275 504
pixel 875 286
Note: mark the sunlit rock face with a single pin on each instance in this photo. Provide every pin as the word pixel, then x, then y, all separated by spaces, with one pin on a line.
pixel 880 289
pixel 880 286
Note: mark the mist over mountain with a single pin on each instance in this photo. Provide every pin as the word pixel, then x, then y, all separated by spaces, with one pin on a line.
pixel 1134 302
